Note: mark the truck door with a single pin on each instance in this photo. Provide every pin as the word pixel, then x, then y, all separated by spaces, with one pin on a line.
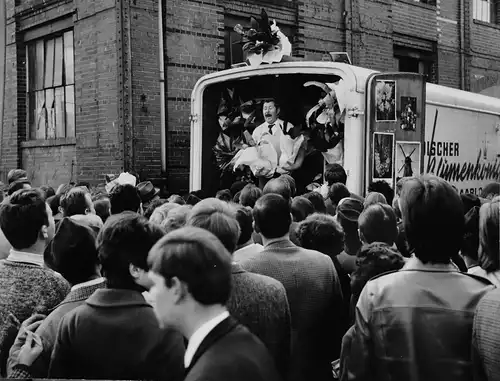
pixel 395 127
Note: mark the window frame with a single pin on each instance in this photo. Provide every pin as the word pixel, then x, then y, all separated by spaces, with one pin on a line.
pixel 480 6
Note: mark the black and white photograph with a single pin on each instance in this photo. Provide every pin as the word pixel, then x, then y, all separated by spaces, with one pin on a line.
pixel 385 100
pixel 407 159
pixel 383 150
pixel 408 119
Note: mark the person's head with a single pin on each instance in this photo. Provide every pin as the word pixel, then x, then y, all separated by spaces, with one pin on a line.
pixel 47 191
pixel 489 235
pixel 63 188
pixel 54 203
pixel 176 218
pixel 280 187
pixel 433 218
pixel 152 206
pixel 272 216
pixel 160 213
pixel 73 251
pixel 317 200
pixel 469 201
pixel 26 220
pixel 18 185
pixel 384 188
pixel 124 197
pixel 491 191
pixel 16 175
pixel 374 198
pixel 219 218
pixel 348 212
pixel 236 198
pixel 224 195
pixel 245 221
pixel 470 245
pixel 102 208
pixel 237 187
pixel 399 188
pixel 192 199
pixel 249 195
pixel 291 182
pixel 123 245
pixel 338 192
pixel 176 199
pixel 301 208
pixel 76 201
pixel 322 233
pixel 190 268
pixel 270 110
pixel 378 223
pixel 336 174
pixel 372 260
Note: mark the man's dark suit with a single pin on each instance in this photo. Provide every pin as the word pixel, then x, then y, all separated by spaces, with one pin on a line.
pixel 231 353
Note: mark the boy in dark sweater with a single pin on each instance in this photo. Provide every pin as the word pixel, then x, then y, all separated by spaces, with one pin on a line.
pixel 28 287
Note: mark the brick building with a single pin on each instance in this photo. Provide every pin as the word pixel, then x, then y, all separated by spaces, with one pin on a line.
pixel 100 111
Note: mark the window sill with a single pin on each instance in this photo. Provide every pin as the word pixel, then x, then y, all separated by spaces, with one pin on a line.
pixel 419 4
pixel 487 24
pixel 49 143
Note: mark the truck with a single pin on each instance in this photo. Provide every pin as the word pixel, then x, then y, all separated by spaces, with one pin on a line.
pixel 395 124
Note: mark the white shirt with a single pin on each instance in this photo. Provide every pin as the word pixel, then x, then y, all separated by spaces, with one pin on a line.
pixel 22 256
pixel 277 133
pixel 247 252
pixel 92 282
pixel 200 334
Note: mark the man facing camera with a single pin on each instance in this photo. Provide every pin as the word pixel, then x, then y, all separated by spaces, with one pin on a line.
pixel 191 272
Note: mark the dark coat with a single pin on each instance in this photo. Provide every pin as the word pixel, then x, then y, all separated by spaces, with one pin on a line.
pixel 231 353
pixel 115 335
pixel 315 299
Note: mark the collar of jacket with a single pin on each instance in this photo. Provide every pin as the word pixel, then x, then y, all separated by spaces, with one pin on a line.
pixel 415 264
pixel 82 293
pixel 113 298
pixel 284 243
pixel 236 268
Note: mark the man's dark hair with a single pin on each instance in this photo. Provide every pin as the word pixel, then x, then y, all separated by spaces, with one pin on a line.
pixel 245 220
pixel 433 218
pixel 103 208
pixel 237 187
pixel 272 216
pixel 384 188
pixel 219 218
pixel 224 195
pixel 196 257
pixel 176 199
pixel 336 174
pixel 84 184
pixel 236 198
pixel 17 185
pixel 73 251
pixel 491 190
pixel 192 199
pixel 54 203
pixel 16 174
pixel 337 192
pixel 74 201
pixel 249 195
pixel 124 197
pixel 291 182
pixel 271 100
pixel 470 245
pixel 22 217
pixel 317 200
pixel 301 208
pixel 279 187
pixel 322 233
pixel 152 206
pixel 47 191
pixel 125 239
pixel 378 223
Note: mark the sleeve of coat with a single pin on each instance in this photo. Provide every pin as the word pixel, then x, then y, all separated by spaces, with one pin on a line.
pixel 477 363
pixel 20 372
pixel 168 360
pixel 357 356
pixel 60 362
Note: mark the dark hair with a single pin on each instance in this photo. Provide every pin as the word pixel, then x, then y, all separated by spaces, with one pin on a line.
pixel 74 201
pixel 491 190
pixel 245 220
pixel 272 217
pixel 64 188
pixel 16 174
pixel 348 212
pixel 103 208
pixel 84 184
pixel 301 208
pixel 470 245
pixel 489 235
pixel 197 258
pixel 378 223
pixel 125 239
pixel 192 199
pixel 271 100
pixel 384 188
pixel 124 197
pixel 152 206
pixel 291 182
pixel 54 203
pixel 47 191
pixel 317 200
pixel 199 193
pixel 433 218
pixel 374 198
pixel 219 218
pixel 224 195
pixel 18 185
pixel 249 195
pixel 73 251
pixel 279 187
pixel 337 192
pixel 176 199
pixel 469 201
pixel 236 197
pixel 237 187
pixel 22 217
pixel 322 233
pixel 372 260
pixel 336 174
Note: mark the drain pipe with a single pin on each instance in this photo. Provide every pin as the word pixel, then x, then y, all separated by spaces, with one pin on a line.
pixel 163 113
pixel 462 45
pixel 3 40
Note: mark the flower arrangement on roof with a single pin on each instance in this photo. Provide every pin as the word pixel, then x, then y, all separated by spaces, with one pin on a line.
pixel 263 41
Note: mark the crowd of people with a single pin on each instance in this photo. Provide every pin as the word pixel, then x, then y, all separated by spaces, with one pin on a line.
pixel 253 284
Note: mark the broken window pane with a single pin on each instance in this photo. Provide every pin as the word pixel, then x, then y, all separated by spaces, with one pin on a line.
pixel 40 116
pixel 70 111
pixel 30 67
pixel 49 105
pixel 58 62
pixel 69 60
pixel 59 111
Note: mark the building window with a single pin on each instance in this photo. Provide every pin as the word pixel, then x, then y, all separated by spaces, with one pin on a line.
pixel 483 10
pixel 416 61
pixel 428 2
pixel 51 87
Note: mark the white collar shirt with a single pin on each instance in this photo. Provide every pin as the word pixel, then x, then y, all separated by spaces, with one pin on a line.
pixel 25 257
